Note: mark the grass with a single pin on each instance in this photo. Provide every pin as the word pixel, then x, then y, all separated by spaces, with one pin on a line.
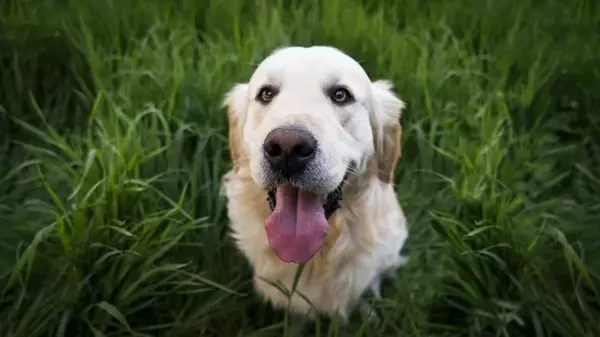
pixel 112 144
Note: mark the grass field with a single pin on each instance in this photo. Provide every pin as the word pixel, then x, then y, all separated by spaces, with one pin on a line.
pixel 112 144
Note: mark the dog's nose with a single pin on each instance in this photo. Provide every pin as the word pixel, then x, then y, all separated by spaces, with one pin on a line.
pixel 289 150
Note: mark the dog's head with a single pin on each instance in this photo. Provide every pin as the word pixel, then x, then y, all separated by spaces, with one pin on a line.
pixel 308 120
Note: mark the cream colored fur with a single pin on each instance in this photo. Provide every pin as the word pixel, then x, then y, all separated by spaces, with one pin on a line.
pixel 368 232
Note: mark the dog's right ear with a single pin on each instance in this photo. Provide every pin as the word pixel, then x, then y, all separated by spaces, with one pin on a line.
pixel 236 102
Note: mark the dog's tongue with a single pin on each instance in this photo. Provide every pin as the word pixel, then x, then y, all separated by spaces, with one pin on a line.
pixel 297 227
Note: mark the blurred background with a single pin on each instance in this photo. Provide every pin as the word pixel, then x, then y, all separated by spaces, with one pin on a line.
pixel 113 142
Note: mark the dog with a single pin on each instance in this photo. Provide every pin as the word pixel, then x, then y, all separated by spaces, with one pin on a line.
pixel 314 144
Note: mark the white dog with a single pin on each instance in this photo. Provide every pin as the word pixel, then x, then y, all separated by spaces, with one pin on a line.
pixel 314 143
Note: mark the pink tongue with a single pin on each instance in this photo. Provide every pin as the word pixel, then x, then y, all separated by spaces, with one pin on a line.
pixel 297 227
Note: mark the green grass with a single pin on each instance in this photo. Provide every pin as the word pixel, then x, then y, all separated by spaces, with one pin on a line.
pixel 113 142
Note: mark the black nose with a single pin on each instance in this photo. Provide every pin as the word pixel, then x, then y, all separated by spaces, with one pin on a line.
pixel 289 150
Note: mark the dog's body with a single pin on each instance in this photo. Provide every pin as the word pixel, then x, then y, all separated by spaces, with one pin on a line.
pixel 309 123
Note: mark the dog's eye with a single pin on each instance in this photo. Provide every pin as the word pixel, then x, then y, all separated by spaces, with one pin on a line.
pixel 341 96
pixel 266 94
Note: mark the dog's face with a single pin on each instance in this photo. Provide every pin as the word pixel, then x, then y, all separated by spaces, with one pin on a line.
pixel 307 119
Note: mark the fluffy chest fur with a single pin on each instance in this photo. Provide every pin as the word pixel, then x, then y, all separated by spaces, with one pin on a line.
pixel 363 243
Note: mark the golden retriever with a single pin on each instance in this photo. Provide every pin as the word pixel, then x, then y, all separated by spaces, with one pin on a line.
pixel 314 144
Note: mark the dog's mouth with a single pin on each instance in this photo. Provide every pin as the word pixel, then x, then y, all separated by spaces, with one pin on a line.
pixel 297 226
pixel 330 205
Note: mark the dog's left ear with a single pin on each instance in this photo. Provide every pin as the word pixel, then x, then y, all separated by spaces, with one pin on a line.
pixel 236 103
pixel 387 131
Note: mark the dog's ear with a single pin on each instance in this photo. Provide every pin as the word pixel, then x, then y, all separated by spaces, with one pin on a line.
pixel 387 131
pixel 236 101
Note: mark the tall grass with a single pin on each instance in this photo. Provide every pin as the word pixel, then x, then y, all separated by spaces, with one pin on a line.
pixel 113 143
